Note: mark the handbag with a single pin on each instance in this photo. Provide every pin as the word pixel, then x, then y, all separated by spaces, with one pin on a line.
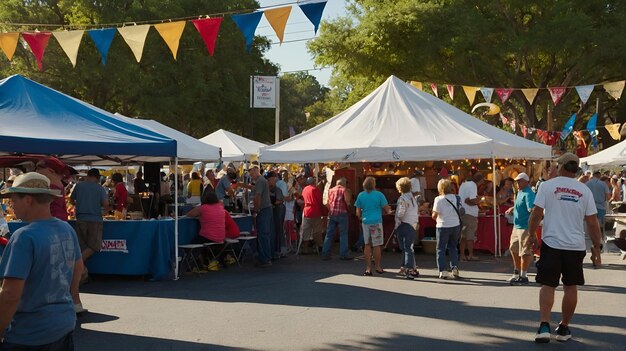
pixel 458 210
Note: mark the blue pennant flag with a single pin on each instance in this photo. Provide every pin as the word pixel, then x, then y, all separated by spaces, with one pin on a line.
pixel 569 126
pixel 313 11
pixel 584 92
pixel 247 25
pixel 591 128
pixel 102 38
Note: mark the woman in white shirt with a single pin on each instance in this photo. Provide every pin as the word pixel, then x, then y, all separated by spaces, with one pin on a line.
pixel 445 213
pixel 406 224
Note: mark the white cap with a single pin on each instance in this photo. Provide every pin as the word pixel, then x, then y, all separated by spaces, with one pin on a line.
pixel 522 176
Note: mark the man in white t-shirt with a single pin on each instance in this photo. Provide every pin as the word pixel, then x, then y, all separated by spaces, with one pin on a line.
pixel 416 189
pixel 565 203
pixel 468 192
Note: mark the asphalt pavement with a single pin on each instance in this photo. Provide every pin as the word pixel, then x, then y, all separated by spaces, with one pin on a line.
pixel 304 303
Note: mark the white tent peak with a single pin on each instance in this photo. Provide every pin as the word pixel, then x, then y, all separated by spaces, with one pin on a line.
pixel 397 122
pixel 234 147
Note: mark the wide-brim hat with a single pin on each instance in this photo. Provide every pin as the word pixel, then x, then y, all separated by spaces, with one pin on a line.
pixel 30 183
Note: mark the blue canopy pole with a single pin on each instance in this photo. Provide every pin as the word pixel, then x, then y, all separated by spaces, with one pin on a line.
pixel 176 215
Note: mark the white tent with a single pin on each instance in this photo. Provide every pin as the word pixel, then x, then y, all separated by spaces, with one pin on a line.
pixel 397 122
pixel 613 156
pixel 234 147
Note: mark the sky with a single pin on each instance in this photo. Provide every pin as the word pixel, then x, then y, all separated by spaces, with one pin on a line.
pixel 292 55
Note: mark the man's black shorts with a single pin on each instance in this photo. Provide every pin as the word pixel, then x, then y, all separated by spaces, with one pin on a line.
pixel 555 263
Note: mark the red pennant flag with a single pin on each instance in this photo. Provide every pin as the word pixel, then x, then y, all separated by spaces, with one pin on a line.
pixel 504 120
pixel 557 94
pixel 37 42
pixel 433 86
pixel 524 131
pixel 450 91
pixel 208 29
pixel 513 125
pixel 504 94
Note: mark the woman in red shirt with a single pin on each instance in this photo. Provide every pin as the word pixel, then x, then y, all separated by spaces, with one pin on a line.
pixel 210 214
pixel 120 194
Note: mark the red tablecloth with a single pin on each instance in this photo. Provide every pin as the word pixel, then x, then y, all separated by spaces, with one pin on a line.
pixel 484 234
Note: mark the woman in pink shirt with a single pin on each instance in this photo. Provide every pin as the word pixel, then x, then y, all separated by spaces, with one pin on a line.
pixel 210 214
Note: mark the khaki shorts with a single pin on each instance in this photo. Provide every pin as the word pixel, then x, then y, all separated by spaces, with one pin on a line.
pixel 469 227
pixel 89 235
pixel 519 242
pixel 373 233
pixel 312 229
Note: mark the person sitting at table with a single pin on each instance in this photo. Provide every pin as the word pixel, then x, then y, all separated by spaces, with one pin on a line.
pixel 120 195
pixel 194 189
pixel 212 220
pixel 231 228
pixel 505 193
pixel 139 184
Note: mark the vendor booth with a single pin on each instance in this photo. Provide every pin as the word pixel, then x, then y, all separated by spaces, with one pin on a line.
pixel 399 123
pixel 611 157
pixel 39 120
pixel 234 147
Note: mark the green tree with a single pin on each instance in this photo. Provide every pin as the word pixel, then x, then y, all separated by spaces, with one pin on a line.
pixel 298 91
pixel 490 43
pixel 195 94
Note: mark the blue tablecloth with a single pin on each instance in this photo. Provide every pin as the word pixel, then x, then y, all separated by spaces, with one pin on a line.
pixel 143 247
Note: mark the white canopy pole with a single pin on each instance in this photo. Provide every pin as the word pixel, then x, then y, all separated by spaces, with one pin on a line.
pixel 495 207
pixel 176 215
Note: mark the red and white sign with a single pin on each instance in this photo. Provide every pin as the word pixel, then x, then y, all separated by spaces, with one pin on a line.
pixel 114 245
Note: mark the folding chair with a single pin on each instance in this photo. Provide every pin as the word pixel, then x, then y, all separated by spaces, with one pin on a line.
pixel 209 248
pixel 244 238
pixel 229 246
pixel 189 257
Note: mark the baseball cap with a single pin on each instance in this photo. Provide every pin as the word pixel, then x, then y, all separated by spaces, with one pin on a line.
pixel 522 176
pixel 94 172
pixel 567 158
pixel 30 183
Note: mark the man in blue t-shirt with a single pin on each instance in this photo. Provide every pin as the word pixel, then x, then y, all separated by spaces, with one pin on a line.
pixel 89 198
pixel 520 248
pixel 40 262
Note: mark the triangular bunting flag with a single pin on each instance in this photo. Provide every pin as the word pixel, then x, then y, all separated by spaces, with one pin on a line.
pixel 569 126
pixel 504 94
pixel 487 93
pixel 208 29
pixel 556 93
pixel 530 94
pixel 470 92
pixel 314 11
pixel 70 42
pixel 592 124
pixel 584 92
pixel 418 85
pixel 37 42
pixel 513 124
pixel 102 38
pixel 171 33
pixel 433 86
pixel 278 20
pixel 8 43
pixel 614 89
pixel 247 25
pixel 613 130
pixel 622 130
pixel 135 37
pixel 450 88
pixel 524 130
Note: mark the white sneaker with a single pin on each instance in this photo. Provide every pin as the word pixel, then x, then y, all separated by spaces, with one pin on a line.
pixel 455 272
pixel 78 308
pixel 513 278
pixel 442 275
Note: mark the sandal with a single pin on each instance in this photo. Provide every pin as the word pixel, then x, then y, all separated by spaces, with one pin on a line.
pixel 380 271
pixel 414 273
pixel 367 274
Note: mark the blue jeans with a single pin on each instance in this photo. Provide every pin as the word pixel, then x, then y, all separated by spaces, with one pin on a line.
pixel 406 238
pixel 340 221
pixel 448 238
pixel 263 233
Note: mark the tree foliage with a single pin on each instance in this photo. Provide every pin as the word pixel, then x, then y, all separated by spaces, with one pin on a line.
pixel 195 94
pixel 490 43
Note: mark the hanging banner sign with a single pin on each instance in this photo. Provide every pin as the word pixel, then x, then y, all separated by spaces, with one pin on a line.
pixel 263 92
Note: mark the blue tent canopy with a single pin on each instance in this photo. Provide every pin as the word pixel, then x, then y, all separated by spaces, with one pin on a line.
pixel 37 119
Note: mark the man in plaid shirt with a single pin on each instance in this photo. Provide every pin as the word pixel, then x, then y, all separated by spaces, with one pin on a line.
pixel 339 200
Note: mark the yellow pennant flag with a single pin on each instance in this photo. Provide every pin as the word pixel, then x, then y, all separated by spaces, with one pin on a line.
pixel 135 37
pixel 613 129
pixel 278 20
pixel 70 42
pixel 171 33
pixel 470 92
pixel 418 85
pixel 615 89
pixel 530 94
pixel 8 43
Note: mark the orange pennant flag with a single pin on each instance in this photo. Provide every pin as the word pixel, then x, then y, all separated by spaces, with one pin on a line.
pixel 8 43
pixel 278 20
pixel 470 92
pixel 530 94
pixel 135 37
pixel 418 85
pixel 171 33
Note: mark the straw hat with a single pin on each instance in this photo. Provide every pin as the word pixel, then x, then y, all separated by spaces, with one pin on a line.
pixel 30 183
